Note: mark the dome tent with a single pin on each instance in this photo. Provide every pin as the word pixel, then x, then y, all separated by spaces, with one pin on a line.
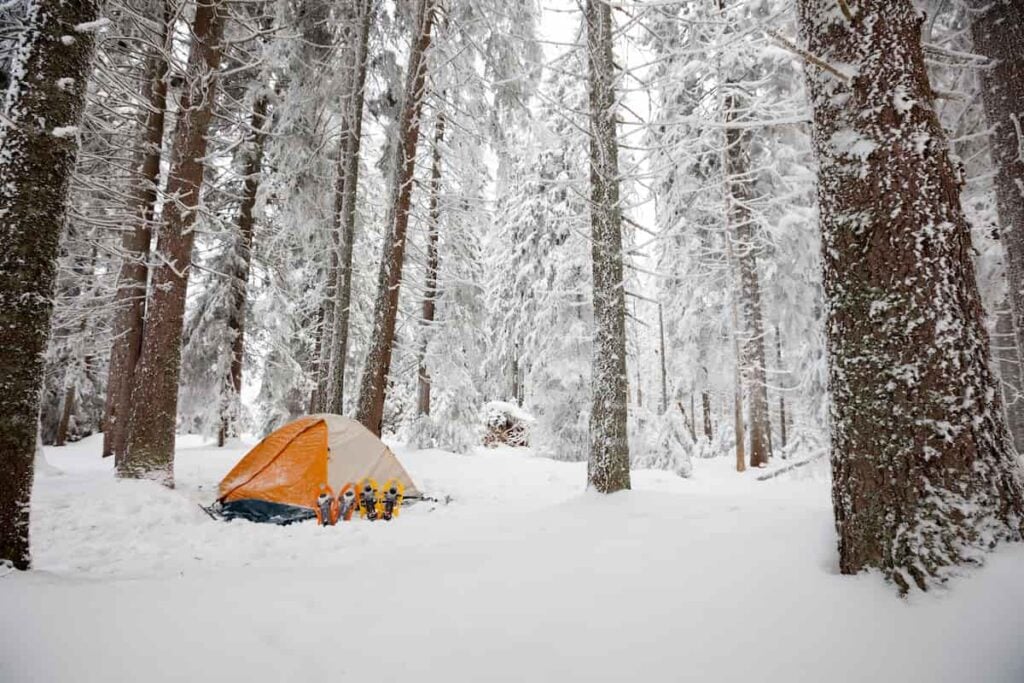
pixel 280 478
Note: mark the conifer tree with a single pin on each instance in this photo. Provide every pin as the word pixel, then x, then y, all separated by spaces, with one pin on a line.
pixel 38 148
pixel 924 475
pixel 608 462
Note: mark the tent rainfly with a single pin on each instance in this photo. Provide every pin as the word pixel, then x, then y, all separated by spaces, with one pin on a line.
pixel 279 480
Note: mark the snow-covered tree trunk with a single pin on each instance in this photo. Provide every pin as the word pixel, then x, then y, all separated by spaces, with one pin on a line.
pixel 923 472
pixel 130 304
pixel 705 401
pixel 739 428
pixel 608 463
pixel 997 29
pixel 1007 355
pixel 661 358
pixel 38 148
pixel 246 225
pixel 430 288
pixel 149 451
pixel 373 384
pixel 742 234
pixel 346 216
pixel 782 397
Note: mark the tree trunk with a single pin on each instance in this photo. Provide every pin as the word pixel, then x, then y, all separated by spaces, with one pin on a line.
pixel 150 445
pixel 430 290
pixel 997 29
pixel 705 399
pixel 373 386
pixel 608 464
pixel 230 407
pixel 67 409
pixel 1004 348
pixel 53 59
pixel 740 429
pixel 664 371
pixel 130 302
pixel 782 398
pixel 923 472
pixel 347 213
pixel 517 390
pixel 739 185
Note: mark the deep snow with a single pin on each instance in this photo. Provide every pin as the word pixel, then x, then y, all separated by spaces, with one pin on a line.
pixel 523 577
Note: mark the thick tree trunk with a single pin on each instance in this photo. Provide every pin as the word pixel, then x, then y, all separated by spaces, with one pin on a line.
pixel 347 212
pixel 36 165
pixel 997 28
pixel 739 185
pixel 230 407
pixel 430 290
pixel 923 472
pixel 373 385
pixel 150 445
pixel 130 302
pixel 608 463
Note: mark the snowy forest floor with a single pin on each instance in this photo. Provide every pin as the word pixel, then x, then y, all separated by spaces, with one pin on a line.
pixel 523 577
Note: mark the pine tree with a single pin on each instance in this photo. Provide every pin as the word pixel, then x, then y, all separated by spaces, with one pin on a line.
pixel 348 188
pixel 430 289
pixel 149 451
pixel 923 471
pixel 997 30
pixel 50 71
pixel 373 385
pixel 130 306
pixel 608 463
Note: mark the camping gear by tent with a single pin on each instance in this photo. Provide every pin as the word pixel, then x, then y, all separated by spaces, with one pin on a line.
pixel 279 480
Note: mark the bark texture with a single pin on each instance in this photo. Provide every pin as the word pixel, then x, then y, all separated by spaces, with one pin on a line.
pixel 246 225
pixel 36 164
pixel 1004 348
pixel 130 303
pixel 608 462
pixel 433 262
pixel 924 476
pixel 373 384
pixel 997 29
pixel 150 446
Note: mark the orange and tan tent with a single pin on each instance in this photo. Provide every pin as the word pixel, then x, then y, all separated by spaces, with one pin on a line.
pixel 280 479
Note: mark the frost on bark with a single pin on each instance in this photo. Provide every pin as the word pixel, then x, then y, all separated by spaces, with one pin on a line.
pixel 430 290
pixel 924 476
pixel 345 213
pixel 608 463
pixel 130 303
pixel 742 235
pixel 782 398
pixel 997 30
pixel 149 452
pixel 1007 356
pixel 38 148
pixel 373 384
pixel 246 225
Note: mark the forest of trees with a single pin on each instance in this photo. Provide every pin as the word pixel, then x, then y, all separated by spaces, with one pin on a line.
pixel 757 229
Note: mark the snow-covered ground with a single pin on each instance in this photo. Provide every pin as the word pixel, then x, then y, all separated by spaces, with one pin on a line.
pixel 523 577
